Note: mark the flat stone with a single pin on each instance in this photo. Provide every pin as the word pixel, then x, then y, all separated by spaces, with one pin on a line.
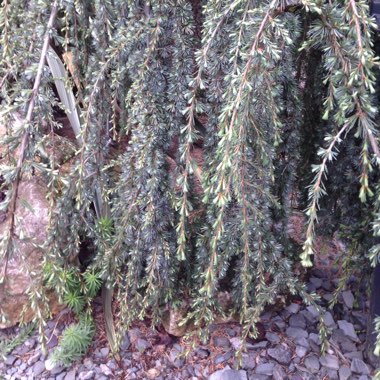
pixel 297 320
pixel 221 358
pixel 70 375
pixel 61 376
pixel 295 332
pixel 348 330
pixel 10 359
pixel 249 361
pixel 221 341
pixel 50 364
pixel 280 355
pixel 329 320
pixel 354 354
pixel 278 373
pixel 301 351
pixel 87 375
pixel 359 367
pixel 105 369
pixel 293 308
pixel 317 282
pixel 328 297
pixel 312 364
pixel 272 337
pixel 202 354
pixel 348 299
pixel 265 369
pixel 38 368
pixel 329 361
pixel 88 363
pixel 125 343
pixel 153 373
pixel 315 338
pixel 302 342
pixel 256 376
pixel 259 345
pixel 344 373
pixel 228 374
pixel 104 351
pixel 313 311
pixel 328 373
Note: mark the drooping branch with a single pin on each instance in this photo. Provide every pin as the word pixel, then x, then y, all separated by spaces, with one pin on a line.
pixel 26 135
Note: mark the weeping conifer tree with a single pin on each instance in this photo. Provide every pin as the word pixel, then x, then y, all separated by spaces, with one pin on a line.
pixel 195 125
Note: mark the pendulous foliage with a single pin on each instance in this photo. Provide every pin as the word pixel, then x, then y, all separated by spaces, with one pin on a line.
pixel 190 149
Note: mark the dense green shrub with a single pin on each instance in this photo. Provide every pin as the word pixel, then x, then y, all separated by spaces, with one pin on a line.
pixel 189 149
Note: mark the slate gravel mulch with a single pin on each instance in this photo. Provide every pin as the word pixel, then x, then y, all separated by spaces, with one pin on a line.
pixel 290 349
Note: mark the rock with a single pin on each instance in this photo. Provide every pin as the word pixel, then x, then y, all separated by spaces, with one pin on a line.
pixel 348 299
pixel 88 363
pixel 221 341
pixel 38 368
pixel 125 343
pixel 61 376
pixel 33 223
pixel 348 330
pixel 105 369
pixel 228 374
pixel 104 351
pixel 52 342
pixel 281 355
pixel 221 358
pixel 175 357
pixel 249 361
pixel 302 342
pixel 202 354
pixel 255 376
pixel 329 320
pixel 70 375
pixel 50 365
pixel 330 374
pixel 329 361
pixel 34 358
pixel 231 332
pixel 258 346
pixel 301 351
pixel 171 321
pixel 153 373
pixel 354 354
pixel 295 332
pixel 293 308
pixel 344 373
pixel 317 282
pixel 297 320
pixel 272 337
pixel 278 373
pixel 142 345
pixel 359 367
pixel 10 359
pixel 134 334
pixel 265 369
pixel 312 364
pixel 315 338
pixel 88 375
pixel 236 342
